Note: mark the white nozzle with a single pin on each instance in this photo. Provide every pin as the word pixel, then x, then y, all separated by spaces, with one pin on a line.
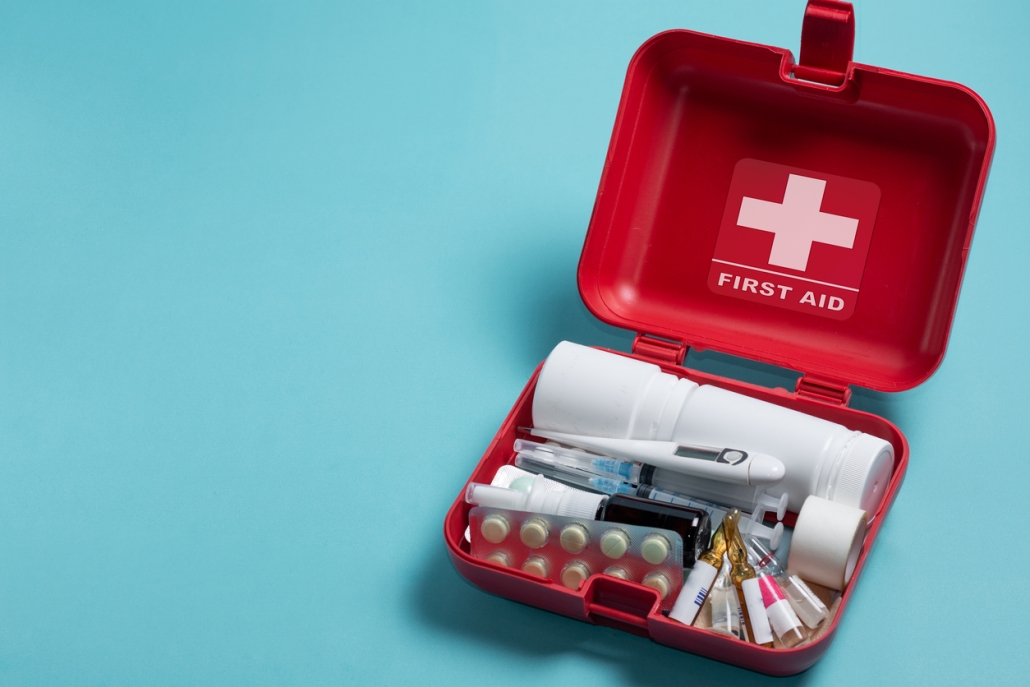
pixel 539 499
pixel 496 497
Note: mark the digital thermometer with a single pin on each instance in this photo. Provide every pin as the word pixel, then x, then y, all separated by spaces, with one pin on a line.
pixel 720 464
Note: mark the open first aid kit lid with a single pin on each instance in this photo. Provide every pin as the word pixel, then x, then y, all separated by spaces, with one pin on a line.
pixel 813 215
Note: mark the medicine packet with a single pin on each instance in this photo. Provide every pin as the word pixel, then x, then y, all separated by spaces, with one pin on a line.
pixel 568 550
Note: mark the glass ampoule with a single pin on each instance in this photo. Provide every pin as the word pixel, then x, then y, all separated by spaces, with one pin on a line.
pixel 784 621
pixel 698 584
pixel 803 600
pixel 725 606
pixel 743 577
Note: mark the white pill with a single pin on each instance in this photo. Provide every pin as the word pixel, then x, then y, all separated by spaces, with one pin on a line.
pixel 499 558
pixel 494 528
pixel 535 565
pixel 616 571
pixel 614 543
pixel 658 582
pixel 534 533
pixel 655 549
pixel 574 538
pixel 574 574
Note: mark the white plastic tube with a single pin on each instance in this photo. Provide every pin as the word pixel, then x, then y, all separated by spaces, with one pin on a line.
pixel 539 499
pixel 585 391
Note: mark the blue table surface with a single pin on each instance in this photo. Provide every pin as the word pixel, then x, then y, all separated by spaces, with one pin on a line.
pixel 271 275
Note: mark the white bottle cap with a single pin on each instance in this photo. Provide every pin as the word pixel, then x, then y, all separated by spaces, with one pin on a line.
pixel 580 504
pixel 826 543
pixel 864 474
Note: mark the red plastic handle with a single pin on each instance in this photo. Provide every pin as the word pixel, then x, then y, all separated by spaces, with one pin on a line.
pixel 623 605
pixel 827 41
pixel 621 620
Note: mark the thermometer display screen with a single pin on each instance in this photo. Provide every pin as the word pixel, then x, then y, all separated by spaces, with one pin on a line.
pixel 729 456
pixel 698 453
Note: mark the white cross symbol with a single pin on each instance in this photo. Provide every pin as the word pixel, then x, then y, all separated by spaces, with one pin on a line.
pixel 797 222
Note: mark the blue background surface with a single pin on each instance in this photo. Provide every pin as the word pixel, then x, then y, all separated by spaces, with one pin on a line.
pixel 271 277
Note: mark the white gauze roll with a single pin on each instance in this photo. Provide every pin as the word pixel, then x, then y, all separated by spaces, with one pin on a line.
pixel 827 539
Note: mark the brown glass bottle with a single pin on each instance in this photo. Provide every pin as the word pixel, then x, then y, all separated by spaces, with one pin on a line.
pixel 691 524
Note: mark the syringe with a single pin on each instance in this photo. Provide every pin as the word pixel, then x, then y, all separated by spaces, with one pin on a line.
pixel 722 464
pixel 747 498
pixel 541 461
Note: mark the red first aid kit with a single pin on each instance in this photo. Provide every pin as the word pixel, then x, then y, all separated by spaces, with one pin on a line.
pixel 814 215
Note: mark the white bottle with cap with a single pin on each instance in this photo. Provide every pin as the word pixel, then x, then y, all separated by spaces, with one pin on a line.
pixel 585 391
pixel 539 499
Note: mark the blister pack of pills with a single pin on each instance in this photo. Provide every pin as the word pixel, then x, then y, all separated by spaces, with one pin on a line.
pixel 568 550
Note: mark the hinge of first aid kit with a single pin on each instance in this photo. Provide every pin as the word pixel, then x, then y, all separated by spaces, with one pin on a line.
pixel 824 390
pixel 827 42
pixel 659 350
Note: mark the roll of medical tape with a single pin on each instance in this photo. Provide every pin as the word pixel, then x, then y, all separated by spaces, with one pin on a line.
pixel 826 542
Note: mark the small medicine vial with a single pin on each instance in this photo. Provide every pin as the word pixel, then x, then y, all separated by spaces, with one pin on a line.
pixel 658 582
pixel 574 538
pixel 499 558
pixel 574 574
pixel 727 618
pixel 655 549
pixel 494 528
pixel 535 565
pixel 615 543
pixel 616 571
pixel 534 533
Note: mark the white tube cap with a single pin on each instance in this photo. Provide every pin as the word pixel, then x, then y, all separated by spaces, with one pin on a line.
pixel 864 474
pixel 580 504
